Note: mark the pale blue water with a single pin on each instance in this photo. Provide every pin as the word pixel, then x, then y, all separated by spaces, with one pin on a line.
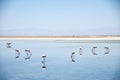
pixel 58 61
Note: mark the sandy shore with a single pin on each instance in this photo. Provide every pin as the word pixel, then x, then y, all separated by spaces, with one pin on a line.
pixel 59 38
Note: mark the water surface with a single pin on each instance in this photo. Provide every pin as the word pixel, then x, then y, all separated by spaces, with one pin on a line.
pixel 59 65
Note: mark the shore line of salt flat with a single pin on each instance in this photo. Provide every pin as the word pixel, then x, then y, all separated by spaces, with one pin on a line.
pixel 59 38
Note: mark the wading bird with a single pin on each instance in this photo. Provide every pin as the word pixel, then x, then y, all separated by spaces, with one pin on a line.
pixel 107 50
pixel 93 50
pixel 29 54
pixel 72 56
pixel 17 54
pixel 43 62
pixel 8 45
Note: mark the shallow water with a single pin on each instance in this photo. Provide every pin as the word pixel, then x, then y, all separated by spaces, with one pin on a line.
pixel 59 65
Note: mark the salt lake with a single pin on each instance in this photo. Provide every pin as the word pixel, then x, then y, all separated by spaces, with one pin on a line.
pixel 58 63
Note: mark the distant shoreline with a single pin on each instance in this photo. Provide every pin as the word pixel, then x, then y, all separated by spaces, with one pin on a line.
pixel 60 37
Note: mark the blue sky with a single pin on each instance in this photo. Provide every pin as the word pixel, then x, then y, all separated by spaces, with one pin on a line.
pixel 59 17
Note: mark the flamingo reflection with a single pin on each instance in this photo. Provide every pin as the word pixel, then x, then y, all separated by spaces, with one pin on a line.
pixel 17 54
pixel 29 54
pixel 72 56
pixel 43 62
pixel 8 45
pixel 80 50
pixel 107 50
pixel 93 50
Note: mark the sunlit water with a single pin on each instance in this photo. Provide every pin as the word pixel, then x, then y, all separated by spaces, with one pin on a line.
pixel 59 65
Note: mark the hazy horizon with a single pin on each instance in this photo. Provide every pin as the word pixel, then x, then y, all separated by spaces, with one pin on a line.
pixel 59 17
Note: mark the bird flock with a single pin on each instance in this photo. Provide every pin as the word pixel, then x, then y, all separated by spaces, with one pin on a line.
pixel 29 54
pixel 107 50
